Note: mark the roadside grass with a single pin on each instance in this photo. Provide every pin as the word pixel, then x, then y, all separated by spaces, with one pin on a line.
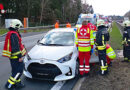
pixel 115 38
pixel 3 31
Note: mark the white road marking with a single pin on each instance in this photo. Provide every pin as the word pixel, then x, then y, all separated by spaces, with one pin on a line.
pixel 79 83
pixel 58 85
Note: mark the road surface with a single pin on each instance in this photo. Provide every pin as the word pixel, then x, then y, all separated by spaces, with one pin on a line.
pixel 30 39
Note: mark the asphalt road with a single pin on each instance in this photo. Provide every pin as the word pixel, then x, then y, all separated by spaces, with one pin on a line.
pixel 30 39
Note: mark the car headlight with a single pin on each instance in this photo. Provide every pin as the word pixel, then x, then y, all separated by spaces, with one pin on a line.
pixel 65 58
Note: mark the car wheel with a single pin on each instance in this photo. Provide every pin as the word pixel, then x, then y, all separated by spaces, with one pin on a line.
pixel 77 69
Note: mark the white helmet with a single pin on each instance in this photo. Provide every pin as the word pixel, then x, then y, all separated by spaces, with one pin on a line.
pixel 126 23
pixel 16 24
pixel 100 22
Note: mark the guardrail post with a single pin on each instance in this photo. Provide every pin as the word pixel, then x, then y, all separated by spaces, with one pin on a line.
pixel 25 24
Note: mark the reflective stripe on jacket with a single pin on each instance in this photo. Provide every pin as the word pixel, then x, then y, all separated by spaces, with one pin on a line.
pixel 84 39
pixel 103 44
pixel 9 50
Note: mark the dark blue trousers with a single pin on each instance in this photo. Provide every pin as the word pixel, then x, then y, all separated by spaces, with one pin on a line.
pixel 16 72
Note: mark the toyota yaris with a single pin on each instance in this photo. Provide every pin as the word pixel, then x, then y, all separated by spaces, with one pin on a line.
pixel 55 57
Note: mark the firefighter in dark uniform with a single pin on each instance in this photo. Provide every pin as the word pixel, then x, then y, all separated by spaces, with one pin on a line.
pixel 126 41
pixel 14 50
pixel 102 36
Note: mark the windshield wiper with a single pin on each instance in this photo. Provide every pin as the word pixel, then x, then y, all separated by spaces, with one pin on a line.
pixel 55 44
pixel 46 44
pixel 42 44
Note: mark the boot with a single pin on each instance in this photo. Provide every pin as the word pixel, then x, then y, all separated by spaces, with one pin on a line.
pixel 11 88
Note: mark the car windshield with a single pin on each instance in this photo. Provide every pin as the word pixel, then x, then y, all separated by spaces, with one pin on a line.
pixel 80 20
pixel 58 39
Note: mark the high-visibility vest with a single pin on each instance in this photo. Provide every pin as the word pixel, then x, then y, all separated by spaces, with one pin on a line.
pixel 84 39
pixel 7 46
pixel 57 25
pixel 110 52
pixel 68 25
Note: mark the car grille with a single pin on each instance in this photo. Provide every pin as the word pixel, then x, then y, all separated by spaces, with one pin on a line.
pixel 44 71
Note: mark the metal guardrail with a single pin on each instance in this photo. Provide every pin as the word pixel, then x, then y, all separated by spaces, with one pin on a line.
pixel 42 27
pixel 45 27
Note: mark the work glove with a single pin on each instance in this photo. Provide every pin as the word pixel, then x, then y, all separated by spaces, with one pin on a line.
pixel 92 50
pixel 77 48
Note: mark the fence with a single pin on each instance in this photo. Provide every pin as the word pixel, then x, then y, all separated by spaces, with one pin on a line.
pixel 44 27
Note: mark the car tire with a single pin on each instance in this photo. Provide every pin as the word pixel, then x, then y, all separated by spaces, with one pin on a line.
pixel 77 69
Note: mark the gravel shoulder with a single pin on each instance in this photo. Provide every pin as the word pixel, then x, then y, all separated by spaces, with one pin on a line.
pixel 117 79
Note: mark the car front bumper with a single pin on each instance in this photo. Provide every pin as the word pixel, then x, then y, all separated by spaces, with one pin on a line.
pixel 48 70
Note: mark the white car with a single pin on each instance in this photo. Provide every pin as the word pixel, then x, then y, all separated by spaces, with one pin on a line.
pixel 55 57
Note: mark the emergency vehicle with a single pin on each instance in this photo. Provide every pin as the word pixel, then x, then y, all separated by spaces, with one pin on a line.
pixel 89 17
pixel 106 19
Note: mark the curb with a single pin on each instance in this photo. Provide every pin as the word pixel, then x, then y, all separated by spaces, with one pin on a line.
pixel 119 54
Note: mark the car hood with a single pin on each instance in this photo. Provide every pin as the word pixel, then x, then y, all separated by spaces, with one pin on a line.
pixel 50 52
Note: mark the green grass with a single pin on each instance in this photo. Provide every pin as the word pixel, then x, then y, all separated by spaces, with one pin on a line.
pixel 115 38
pixel 3 31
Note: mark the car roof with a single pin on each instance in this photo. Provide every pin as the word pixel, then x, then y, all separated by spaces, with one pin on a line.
pixel 63 30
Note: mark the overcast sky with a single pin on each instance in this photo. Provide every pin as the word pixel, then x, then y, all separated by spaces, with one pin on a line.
pixel 110 7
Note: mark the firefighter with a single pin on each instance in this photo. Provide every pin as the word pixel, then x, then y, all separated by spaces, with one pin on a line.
pixel 102 36
pixel 14 50
pixel 84 43
pixel 68 25
pixel 57 24
pixel 126 41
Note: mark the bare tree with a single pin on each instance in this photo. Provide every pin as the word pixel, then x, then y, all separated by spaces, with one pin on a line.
pixel 44 3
